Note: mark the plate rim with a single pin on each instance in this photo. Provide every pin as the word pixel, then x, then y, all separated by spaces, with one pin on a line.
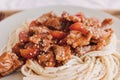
pixel 52 6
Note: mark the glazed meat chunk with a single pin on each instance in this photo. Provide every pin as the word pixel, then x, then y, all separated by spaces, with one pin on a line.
pixel 38 30
pixel 43 41
pixel 47 59
pixel 69 17
pixel 50 20
pixel 8 63
pixel 75 38
pixel 62 53
pixel 42 38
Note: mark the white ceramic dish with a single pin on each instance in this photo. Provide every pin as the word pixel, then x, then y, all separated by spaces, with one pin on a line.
pixel 12 22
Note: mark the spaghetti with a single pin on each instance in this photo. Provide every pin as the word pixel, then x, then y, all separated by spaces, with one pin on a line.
pixel 64 48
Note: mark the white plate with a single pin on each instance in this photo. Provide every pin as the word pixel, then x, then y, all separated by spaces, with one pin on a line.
pixel 9 24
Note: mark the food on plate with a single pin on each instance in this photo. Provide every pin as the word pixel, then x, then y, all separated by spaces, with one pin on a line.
pixel 66 47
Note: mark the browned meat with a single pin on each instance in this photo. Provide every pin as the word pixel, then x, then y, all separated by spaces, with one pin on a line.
pixel 107 21
pixel 72 18
pixel 59 55
pixel 35 39
pixel 101 38
pixel 34 23
pixel 17 47
pixel 30 45
pixel 54 23
pixel 8 63
pixel 47 59
pixel 84 49
pixel 62 53
pixel 91 22
pixel 39 30
pixel 23 36
pixel 81 16
pixel 89 36
pixel 96 44
pixel 101 33
pixel 43 41
pixel 75 38
pixel 50 20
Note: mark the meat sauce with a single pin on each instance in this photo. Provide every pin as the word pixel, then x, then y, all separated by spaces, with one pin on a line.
pixel 52 40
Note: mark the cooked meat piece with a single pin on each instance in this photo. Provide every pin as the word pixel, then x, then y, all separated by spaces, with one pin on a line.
pixel 81 35
pixel 16 48
pixel 62 53
pixel 8 63
pixel 106 22
pixel 102 36
pixel 39 30
pixel 72 18
pixel 50 20
pixel 81 50
pixel 34 23
pixel 99 45
pixel 23 36
pixel 91 22
pixel 35 38
pixel 101 33
pixel 54 23
pixel 30 45
pixel 42 40
pixel 76 38
pixel 84 49
pixel 81 16
pixel 47 59
pixel 99 39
